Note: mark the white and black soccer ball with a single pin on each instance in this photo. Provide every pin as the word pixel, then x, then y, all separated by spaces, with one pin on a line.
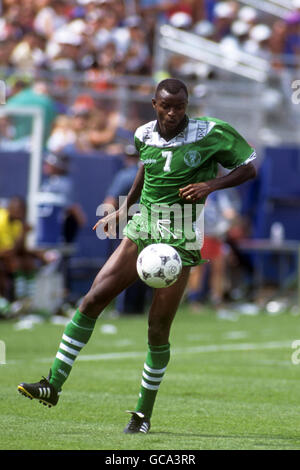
pixel 159 265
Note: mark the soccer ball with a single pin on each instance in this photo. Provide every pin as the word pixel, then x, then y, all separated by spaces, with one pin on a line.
pixel 159 265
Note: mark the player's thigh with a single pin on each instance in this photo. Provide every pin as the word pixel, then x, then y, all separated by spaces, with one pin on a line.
pixel 166 301
pixel 121 265
pixel 117 274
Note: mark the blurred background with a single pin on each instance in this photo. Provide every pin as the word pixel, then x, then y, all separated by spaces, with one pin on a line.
pixel 77 80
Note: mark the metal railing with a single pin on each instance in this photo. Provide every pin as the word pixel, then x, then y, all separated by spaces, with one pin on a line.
pixel 278 8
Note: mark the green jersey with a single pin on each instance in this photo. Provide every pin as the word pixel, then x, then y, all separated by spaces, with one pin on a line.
pixel 192 156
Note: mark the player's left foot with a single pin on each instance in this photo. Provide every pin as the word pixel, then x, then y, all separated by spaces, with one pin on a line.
pixel 138 423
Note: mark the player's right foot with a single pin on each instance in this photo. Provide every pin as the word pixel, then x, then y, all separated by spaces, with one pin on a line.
pixel 42 391
pixel 137 424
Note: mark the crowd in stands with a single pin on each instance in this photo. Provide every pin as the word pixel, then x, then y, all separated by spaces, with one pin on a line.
pixel 105 38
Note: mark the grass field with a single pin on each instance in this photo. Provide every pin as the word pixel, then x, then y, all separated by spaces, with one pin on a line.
pixel 229 385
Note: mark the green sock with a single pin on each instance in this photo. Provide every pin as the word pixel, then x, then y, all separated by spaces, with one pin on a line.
pixel 77 333
pixel 154 368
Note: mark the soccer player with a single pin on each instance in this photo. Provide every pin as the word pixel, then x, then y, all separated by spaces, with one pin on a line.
pixel 179 159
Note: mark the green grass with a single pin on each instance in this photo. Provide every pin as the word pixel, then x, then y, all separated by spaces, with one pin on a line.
pixel 217 392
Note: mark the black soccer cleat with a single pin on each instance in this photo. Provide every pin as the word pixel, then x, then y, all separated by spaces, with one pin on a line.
pixel 138 423
pixel 42 391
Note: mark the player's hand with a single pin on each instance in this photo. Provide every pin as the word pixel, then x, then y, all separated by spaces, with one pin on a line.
pixel 195 191
pixel 108 224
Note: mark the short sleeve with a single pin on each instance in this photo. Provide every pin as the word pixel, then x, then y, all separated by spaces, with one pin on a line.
pixel 234 150
pixel 137 143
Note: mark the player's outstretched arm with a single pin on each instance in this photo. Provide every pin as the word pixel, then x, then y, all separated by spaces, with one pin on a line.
pixel 196 191
pixel 131 199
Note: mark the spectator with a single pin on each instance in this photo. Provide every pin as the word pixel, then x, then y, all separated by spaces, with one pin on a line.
pixel 61 135
pixel 29 52
pixel 94 128
pixel 63 51
pixel 277 43
pixel 292 42
pixel 124 178
pixel 101 129
pixel 17 264
pixel 109 30
pixel 64 217
pixel 50 17
pixel 220 212
pixel 57 180
pixel 224 15
pixel 137 57
pixel 259 41
pixel 36 96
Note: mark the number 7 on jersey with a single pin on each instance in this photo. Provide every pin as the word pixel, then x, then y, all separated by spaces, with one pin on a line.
pixel 167 154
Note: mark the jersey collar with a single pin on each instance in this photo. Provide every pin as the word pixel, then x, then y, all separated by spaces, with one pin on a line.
pixel 180 132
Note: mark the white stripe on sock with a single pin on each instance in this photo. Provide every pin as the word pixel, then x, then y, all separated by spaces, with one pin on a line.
pixel 65 359
pixel 154 371
pixel 72 351
pixel 73 341
pixel 149 387
pixel 152 379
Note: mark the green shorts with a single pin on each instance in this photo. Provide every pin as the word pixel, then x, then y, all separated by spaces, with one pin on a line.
pixel 141 233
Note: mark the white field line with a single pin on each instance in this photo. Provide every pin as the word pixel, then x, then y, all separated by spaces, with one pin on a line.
pixel 194 350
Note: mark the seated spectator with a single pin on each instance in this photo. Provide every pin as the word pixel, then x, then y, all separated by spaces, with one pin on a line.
pixel 63 51
pixel 18 264
pixel 57 180
pixel 137 54
pixel 62 134
pixel 94 129
pixel 50 17
pixel 101 129
pixel 29 52
pixel 220 212
pixel 277 43
pixel 224 15
pixel 63 218
pixel 292 42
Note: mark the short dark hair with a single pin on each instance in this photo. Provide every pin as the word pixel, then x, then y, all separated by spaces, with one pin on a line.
pixel 171 85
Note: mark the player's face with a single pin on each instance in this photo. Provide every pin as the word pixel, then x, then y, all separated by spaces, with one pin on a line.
pixel 170 110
